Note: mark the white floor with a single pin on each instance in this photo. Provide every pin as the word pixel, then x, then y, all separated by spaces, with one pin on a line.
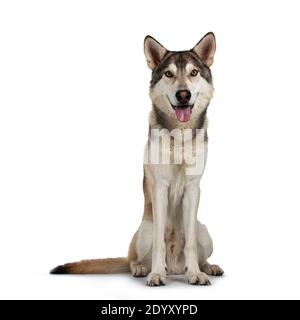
pixel 267 285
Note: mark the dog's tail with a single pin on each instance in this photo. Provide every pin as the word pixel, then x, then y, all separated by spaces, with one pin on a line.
pixel 100 266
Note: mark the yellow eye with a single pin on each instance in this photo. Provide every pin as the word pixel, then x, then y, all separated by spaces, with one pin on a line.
pixel 194 73
pixel 168 74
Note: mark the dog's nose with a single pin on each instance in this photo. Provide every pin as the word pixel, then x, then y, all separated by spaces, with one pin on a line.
pixel 183 96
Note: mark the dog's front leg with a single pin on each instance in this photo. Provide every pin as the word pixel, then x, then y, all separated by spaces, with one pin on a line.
pixel 160 205
pixel 190 208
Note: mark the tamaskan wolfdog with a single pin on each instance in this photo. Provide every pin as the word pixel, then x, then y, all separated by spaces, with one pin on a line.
pixel 170 239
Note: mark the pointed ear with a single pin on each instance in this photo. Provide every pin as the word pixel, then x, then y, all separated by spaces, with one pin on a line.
pixel 154 52
pixel 206 48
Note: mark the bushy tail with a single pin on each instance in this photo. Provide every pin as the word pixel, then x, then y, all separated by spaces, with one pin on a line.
pixel 100 266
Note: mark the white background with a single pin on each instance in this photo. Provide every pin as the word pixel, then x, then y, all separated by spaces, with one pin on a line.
pixel 73 122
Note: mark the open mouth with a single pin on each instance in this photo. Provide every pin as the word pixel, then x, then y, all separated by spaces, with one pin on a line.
pixel 183 112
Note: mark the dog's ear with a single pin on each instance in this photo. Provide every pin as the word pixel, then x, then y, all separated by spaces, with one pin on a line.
pixel 154 52
pixel 206 48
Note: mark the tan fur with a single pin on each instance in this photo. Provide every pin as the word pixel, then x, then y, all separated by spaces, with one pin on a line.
pixel 147 200
pixel 132 256
pixel 99 266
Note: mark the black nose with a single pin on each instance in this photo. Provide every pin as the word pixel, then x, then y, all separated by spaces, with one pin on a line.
pixel 183 96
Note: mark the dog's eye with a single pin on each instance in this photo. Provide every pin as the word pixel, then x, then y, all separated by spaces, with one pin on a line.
pixel 168 74
pixel 194 73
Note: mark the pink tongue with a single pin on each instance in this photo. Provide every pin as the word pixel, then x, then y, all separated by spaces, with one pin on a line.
pixel 183 114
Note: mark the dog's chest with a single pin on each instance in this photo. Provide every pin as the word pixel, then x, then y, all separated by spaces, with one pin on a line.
pixel 178 176
pixel 177 185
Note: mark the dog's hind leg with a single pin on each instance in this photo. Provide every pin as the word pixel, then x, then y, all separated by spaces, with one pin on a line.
pixel 140 251
pixel 205 249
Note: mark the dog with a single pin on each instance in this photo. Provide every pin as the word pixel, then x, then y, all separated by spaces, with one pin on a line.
pixel 170 240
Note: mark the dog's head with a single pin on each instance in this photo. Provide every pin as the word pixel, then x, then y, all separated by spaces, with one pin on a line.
pixel 181 85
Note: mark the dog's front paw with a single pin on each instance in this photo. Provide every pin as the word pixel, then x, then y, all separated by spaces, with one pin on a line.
pixel 198 278
pixel 212 269
pixel 156 279
pixel 139 271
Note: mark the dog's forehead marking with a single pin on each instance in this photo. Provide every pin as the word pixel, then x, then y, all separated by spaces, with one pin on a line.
pixel 172 67
pixel 181 59
pixel 189 67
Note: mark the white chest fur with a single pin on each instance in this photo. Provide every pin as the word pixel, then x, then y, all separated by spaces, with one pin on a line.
pixel 175 165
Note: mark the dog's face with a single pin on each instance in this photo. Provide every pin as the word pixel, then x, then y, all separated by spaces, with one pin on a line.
pixel 181 84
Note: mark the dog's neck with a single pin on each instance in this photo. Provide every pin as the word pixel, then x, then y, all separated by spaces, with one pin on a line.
pixel 160 120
